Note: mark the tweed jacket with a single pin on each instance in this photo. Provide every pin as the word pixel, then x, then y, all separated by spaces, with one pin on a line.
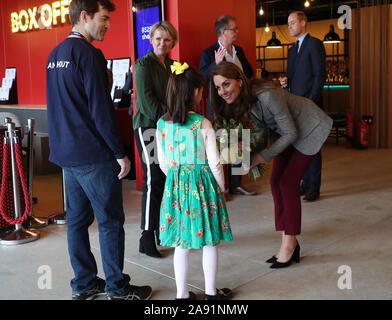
pixel 297 120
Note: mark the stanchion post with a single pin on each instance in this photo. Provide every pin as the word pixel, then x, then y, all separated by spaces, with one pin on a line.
pixel 32 222
pixel 19 235
pixel 61 218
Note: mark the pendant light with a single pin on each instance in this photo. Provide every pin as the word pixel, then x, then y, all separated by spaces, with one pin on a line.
pixel 267 29
pixel 274 42
pixel 331 36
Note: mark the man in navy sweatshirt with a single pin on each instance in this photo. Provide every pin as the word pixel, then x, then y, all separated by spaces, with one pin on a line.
pixel 84 141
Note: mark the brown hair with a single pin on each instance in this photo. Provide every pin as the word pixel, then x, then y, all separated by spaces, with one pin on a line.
pixel 300 15
pixel 90 6
pixel 180 97
pixel 240 109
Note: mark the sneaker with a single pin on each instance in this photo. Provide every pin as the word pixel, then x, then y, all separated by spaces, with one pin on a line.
pixel 221 294
pixel 133 293
pixel 90 294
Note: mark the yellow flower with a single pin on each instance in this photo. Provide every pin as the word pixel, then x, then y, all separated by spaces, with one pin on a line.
pixel 197 123
pixel 181 147
pixel 168 194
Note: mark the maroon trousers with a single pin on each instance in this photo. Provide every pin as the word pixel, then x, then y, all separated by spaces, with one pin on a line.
pixel 287 172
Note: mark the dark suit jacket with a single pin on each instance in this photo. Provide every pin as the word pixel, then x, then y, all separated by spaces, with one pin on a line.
pixel 207 61
pixel 306 70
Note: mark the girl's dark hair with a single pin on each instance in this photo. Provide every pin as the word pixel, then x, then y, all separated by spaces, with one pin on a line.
pixel 180 97
pixel 240 109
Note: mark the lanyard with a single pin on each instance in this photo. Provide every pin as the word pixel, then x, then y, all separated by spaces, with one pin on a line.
pixel 78 34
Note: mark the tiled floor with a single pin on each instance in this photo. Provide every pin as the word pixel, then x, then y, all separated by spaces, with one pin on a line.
pixel 350 225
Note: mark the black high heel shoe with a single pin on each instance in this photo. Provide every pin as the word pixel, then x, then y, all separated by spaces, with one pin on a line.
pixel 272 259
pixel 147 244
pixel 294 257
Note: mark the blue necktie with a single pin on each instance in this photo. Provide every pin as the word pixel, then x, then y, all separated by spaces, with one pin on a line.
pixel 296 47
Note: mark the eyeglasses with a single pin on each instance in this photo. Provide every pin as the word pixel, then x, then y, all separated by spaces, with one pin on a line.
pixel 235 29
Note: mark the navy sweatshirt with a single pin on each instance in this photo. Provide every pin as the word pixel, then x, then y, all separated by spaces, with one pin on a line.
pixel 81 119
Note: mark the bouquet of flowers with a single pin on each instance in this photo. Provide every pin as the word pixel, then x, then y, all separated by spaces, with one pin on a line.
pixel 249 137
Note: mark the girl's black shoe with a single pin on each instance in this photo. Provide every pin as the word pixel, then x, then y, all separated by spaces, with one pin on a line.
pixel 221 294
pixel 272 259
pixel 147 244
pixel 192 296
pixel 294 257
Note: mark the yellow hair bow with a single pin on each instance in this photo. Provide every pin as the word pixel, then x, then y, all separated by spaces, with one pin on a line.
pixel 178 68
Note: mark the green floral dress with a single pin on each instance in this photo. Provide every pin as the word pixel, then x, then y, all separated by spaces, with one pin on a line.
pixel 193 213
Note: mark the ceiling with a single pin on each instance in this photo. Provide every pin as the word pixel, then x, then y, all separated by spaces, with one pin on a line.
pixel 277 10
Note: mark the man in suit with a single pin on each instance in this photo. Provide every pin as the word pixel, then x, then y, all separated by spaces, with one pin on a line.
pixel 226 29
pixel 305 77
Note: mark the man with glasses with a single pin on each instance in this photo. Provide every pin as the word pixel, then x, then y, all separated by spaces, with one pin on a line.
pixel 226 29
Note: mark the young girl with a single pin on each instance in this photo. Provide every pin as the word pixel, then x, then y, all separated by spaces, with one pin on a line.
pixel 193 211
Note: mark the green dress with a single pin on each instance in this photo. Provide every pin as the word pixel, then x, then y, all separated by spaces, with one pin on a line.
pixel 193 213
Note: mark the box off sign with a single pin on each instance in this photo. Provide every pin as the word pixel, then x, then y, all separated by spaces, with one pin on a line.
pixel 40 17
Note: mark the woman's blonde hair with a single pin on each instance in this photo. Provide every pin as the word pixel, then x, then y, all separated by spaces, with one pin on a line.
pixel 167 27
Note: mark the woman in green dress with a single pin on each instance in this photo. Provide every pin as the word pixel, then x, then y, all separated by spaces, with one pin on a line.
pixel 193 211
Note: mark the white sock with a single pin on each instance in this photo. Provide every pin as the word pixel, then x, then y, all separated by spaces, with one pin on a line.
pixel 210 268
pixel 180 260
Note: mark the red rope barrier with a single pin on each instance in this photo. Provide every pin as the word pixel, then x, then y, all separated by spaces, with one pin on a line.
pixel 6 174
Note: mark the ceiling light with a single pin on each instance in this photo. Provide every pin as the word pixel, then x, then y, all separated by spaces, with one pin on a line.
pixel 274 42
pixel 331 36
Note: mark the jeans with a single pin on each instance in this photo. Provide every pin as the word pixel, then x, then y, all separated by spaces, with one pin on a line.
pixel 94 189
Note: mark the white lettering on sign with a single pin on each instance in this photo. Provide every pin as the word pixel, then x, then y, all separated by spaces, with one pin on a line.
pixel 146 32
pixel 40 17
pixel 58 65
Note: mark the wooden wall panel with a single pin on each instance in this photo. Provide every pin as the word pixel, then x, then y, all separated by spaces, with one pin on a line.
pixel 389 79
pixel 370 70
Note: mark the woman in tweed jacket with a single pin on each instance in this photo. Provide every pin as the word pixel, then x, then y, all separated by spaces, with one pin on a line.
pixel 302 128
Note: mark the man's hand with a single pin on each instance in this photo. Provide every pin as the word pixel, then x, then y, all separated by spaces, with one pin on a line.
pixel 220 55
pixel 125 165
pixel 283 82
